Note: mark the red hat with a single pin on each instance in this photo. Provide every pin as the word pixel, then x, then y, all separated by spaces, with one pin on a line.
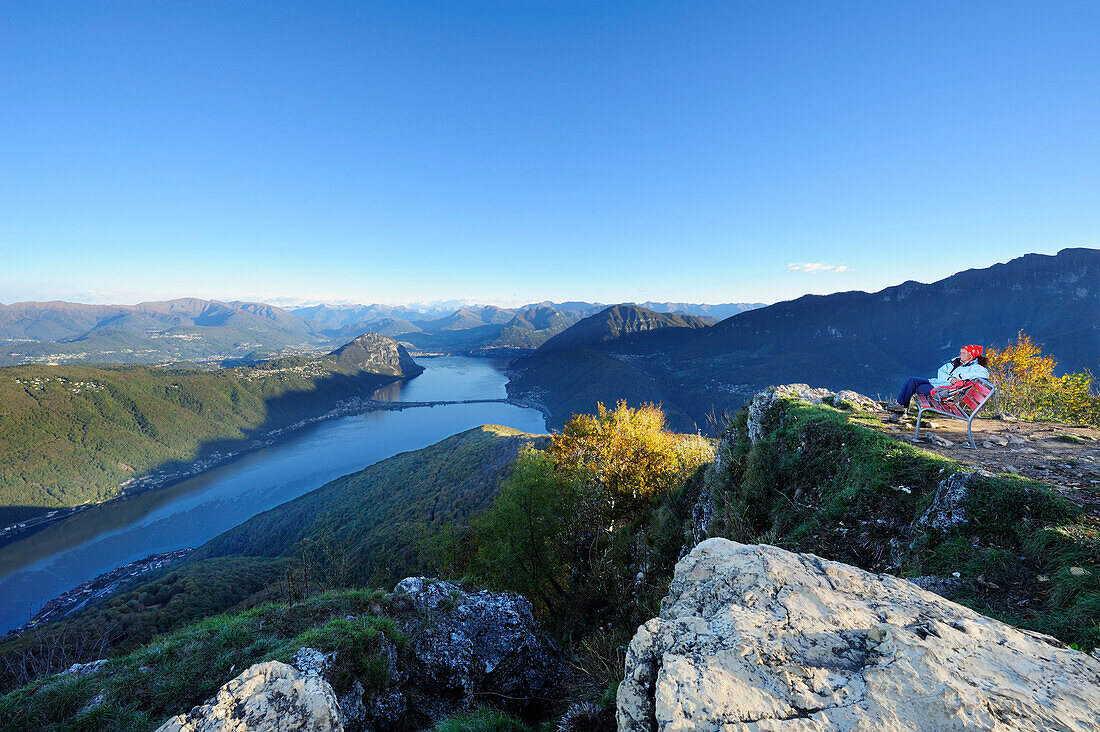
pixel 974 351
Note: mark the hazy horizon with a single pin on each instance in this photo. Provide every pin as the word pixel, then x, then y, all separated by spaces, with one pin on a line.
pixel 292 303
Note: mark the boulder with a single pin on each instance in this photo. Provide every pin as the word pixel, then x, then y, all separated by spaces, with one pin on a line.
pixel 466 649
pixel 462 650
pixel 267 696
pixel 948 507
pixel 758 638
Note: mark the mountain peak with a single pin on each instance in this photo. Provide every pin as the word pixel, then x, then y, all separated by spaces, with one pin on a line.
pixel 378 354
pixel 617 322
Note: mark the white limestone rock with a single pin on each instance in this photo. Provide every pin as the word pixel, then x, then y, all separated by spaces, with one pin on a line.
pixel 758 638
pixel 268 696
pixel 83 669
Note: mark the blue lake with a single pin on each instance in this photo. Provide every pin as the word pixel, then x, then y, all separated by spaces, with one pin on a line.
pixel 99 539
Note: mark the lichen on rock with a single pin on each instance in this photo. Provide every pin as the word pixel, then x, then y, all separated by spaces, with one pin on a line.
pixel 948 507
pixel 269 696
pixel 758 638
pixel 469 648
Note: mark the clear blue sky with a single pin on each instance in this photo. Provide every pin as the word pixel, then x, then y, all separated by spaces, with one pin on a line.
pixel 518 151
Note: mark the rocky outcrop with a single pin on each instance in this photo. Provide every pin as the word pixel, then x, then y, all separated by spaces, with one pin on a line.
pixel 758 638
pixel 761 403
pixel 948 507
pixel 83 669
pixel 466 649
pixel 270 696
pixel 461 650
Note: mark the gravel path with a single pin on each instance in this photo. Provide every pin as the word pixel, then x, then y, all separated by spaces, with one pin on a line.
pixel 1063 456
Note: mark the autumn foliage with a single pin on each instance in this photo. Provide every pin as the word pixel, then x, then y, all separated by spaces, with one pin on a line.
pixel 627 454
pixel 1028 388
pixel 560 528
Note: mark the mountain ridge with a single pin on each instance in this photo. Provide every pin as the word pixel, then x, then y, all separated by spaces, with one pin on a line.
pixel 865 341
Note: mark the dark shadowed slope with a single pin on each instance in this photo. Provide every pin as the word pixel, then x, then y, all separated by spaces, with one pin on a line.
pixel 855 340
pixel 618 323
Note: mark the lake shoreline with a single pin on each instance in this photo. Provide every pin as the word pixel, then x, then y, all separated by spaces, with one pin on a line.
pixel 99 588
pixel 154 481
pixel 166 514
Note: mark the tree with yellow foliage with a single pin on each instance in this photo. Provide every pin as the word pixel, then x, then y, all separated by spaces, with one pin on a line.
pixel 558 528
pixel 1028 388
pixel 627 453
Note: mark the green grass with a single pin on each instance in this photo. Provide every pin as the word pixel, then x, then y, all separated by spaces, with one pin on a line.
pixel 161 605
pixel 184 668
pixel 483 720
pixel 827 481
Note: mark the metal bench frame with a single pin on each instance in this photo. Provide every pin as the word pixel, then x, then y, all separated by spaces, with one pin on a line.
pixel 963 407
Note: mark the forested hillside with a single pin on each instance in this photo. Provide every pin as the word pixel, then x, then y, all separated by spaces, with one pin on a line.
pixel 73 434
pixel 589 526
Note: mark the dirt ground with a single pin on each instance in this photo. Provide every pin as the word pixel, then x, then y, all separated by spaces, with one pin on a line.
pixel 1063 456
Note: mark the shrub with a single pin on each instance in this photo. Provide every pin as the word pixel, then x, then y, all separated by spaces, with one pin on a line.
pixel 628 454
pixel 589 529
pixel 525 540
pixel 1027 387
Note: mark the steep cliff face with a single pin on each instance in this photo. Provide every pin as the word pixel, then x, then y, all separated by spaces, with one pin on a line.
pixel 377 354
pixel 755 637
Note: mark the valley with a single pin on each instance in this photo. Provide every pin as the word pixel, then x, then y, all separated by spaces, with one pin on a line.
pixel 75 435
pixel 357 467
pixel 186 513
pixel 202 334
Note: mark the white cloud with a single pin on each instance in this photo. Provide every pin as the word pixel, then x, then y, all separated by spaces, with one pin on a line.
pixel 816 267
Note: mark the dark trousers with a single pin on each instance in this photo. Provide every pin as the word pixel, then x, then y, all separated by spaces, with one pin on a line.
pixel 911 387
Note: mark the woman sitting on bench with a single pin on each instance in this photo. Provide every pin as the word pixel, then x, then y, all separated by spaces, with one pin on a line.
pixel 970 364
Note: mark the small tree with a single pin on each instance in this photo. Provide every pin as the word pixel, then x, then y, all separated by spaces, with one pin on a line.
pixel 524 541
pixel 627 453
pixel 1028 388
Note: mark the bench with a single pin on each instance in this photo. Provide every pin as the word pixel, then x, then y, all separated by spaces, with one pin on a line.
pixel 961 401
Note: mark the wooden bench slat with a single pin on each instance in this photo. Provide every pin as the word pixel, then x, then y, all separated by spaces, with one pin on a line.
pixel 979 390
